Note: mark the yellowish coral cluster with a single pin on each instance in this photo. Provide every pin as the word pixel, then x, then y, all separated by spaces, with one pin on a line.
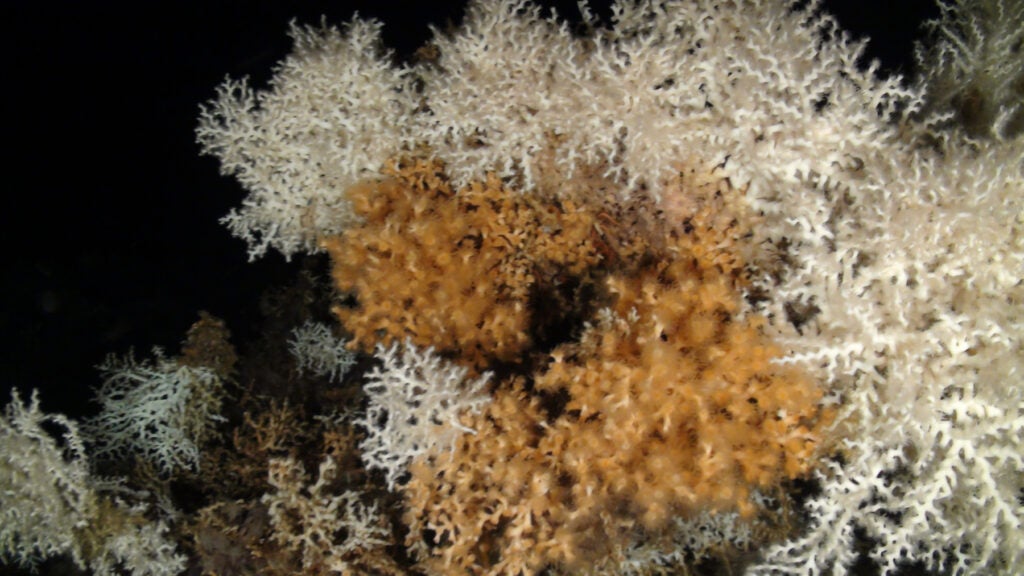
pixel 673 402
pixel 675 350
pixel 495 504
pixel 664 403
pixel 452 271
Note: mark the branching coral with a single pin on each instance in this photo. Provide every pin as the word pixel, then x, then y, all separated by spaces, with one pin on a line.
pixel 668 406
pixel 160 411
pixel 415 400
pixel 336 533
pixel 452 271
pixel 281 523
pixel 317 350
pixel 974 68
pixel 208 345
pixel 494 504
pixel 694 250
pixel 54 481
pixel 50 503
pixel 919 329
pixel 719 419
pixel 298 170
pixel 268 429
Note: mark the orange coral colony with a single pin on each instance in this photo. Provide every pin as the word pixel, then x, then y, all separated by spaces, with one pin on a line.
pixel 661 402
pixel 451 271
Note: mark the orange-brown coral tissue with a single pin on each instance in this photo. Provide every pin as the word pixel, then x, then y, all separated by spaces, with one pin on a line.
pixel 451 271
pixel 661 402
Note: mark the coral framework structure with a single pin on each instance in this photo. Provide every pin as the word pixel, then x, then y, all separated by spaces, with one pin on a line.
pixel 691 288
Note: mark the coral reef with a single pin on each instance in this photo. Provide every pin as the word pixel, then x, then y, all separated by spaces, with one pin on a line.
pixel 693 285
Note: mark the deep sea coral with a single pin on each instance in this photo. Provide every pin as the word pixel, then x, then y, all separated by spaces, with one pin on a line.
pixel 668 405
pixel 697 282
pixel 452 271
